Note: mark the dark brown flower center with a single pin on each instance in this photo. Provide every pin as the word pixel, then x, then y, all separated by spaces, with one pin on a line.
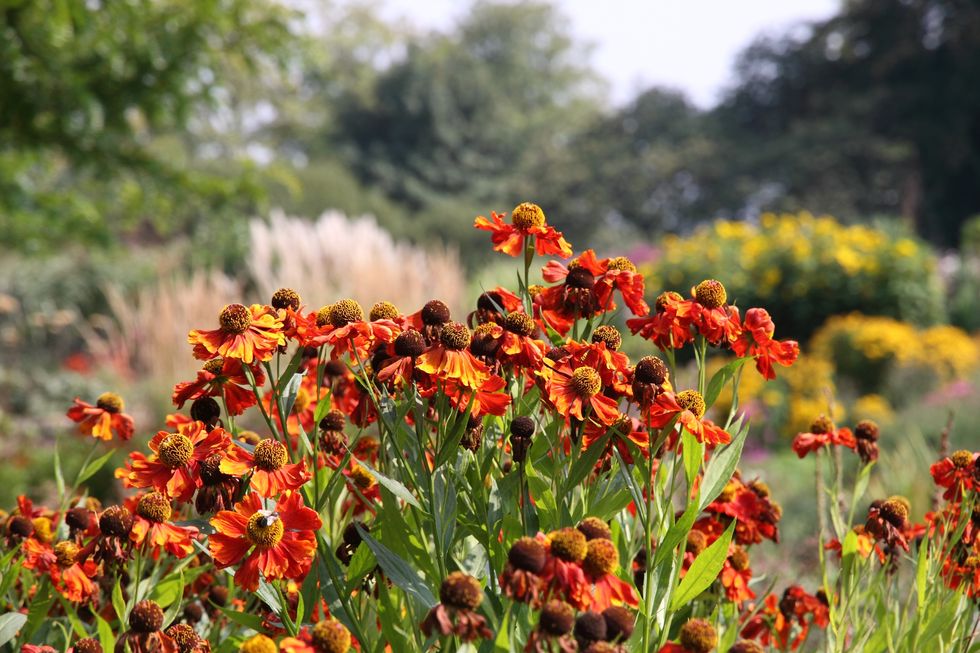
pixel 608 334
pixel 409 343
pixel 285 298
pixel 461 591
pixel 175 450
pixel 435 313
pixel 235 318
pixel 344 312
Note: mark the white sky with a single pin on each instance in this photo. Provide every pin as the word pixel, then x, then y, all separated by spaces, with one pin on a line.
pixel 686 44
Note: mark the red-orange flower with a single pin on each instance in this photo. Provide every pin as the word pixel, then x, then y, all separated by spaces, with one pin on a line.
pixel 527 221
pixel 823 433
pixel 571 390
pixel 757 341
pixel 277 542
pixel 221 377
pixel 152 512
pixel 450 358
pixel 173 467
pixel 600 565
pixel 958 473
pixel 104 418
pixel 669 327
pixel 246 333
pixel 66 564
pixel 689 407
pixel 271 473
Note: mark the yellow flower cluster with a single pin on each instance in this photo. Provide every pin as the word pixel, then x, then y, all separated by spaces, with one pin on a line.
pixel 946 351
pixel 822 241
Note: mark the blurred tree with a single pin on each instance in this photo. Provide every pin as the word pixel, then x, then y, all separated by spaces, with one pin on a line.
pixel 876 110
pixel 96 99
pixel 467 114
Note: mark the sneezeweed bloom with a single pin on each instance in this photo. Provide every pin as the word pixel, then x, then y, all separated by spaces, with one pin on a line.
pixel 187 639
pixel 527 221
pixel 562 573
pixel 866 440
pixel 225 378
pixel 352 334
pixel 218 491
pixel 66 564
pixel 399 368
pixel 689 408
pixel 590 630
pixel 277 542
pixel 736 575
pixel 888 521
pixel 248 334
pixel 173 467
pixel 271 473
pixel 492 305
pixel 460 595
pixel 957 473
pixel 669 327
pixel 577 391
pixel 87 645
pixel 114 547
pixel 144 634
pixel 650 378
pixel 451 358
pixel 756 340
pixel 554 629
pixel 695 636
pixel 327 636
pixel 713 318
pixel 823 433
pixel 757 515
pixel 600 565
pixel 152 532
pixel 103 420
pixel 521 580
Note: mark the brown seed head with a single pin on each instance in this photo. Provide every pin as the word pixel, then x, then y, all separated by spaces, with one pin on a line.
pixel 214 366
pixel 696 542
pixel 895 510
pixel 698 636
pixel 285 298
pixel 344 312
pixel 87 645
pixel 568 544
pixel 206 409
pixel 527 215
pixel 594 528
pixel 235 318
pixel 822 425
pixel 601 558
pixel 557 618
pixel 409 343
pixel 710 293
pixel 435 313
pixel 608 334
pixel 519 323
pixel 270 455
pixel 522 427
pixel 110 402
pixel 527 554
pixel 66 552
pixel 78 519
pixel 619 623
pixel 146 617
pixel 746 646
pixel 693 401
pixel 740 559
pixel 651 369
pixel 155 507
pixel 866 430
pixel 184 637
pixel 20 526
pixel 455 336
pixel 175 450
pixel 116 521
pixel 331 636
pixel 586 382
pixel 383 311
pixel 461 591
pixel 590 627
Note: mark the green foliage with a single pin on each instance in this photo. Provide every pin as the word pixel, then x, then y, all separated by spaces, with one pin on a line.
pixel 806 269
pixel 89 90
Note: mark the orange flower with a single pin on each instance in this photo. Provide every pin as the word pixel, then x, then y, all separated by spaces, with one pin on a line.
pixel 173 467
pixel 246 333
pixel 823 433
pixel 600 565
pixel 151 513
pixel 527 221
pixel 670 325
pixel 66 564
pixel 450 358
pixel 571 389
pixel 104 418
pixel 271 474
pixel 277 542
pixel 221 377
pixel 756 340
pixel 689 408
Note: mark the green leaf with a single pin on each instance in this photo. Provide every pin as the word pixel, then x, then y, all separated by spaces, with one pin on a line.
pixel 587 460
pixel 393 486
pixel 118 602
pixel 288 396
pixel 721 466
pixel 693 454
pixel 59 476
pixel 676 534
pixel 10 623
pixel 252 621
pixel 720 378
pixel 703 571
pixel 269 596
pixel 360 565
pixel 399 571
pixel 106 637
pixel 168 590
pixel 922 574
pixel 40 606
pixel 95 465
pixel 290 371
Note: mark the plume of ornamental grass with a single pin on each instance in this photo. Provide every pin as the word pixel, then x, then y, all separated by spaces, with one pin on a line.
pixel 336 257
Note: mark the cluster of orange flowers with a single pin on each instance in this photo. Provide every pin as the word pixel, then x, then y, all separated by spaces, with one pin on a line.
pixel 344 365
